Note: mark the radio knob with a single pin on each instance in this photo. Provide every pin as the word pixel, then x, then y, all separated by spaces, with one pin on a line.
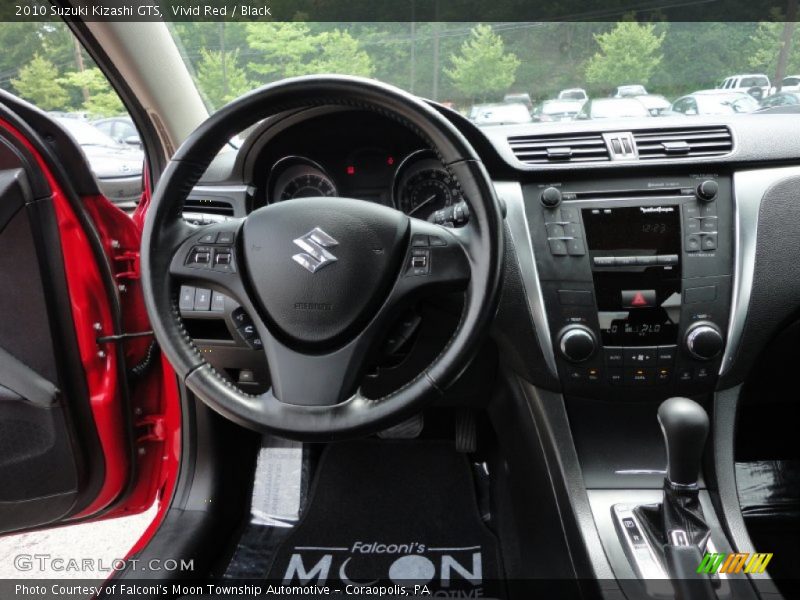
pixel 551 197
pixel 577 343
pixel 704 341
pixel 707 190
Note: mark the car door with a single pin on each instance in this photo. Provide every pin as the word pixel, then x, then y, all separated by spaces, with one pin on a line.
pixel 85 426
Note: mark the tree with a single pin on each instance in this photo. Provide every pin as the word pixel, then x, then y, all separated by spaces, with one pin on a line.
pixel 773 49
pixel 483 67
pixel 340 53
pixel 629 53
pixel 102 100
pixel 39 83
pixel 219 78
pixel 282 48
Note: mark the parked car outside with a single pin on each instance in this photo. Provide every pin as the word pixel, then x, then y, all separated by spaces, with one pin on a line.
pixel 121 129
pixel 557 110
pixel 755 84
pixel 520 98
pixel 118 167
pixel 502 114
pixel 573 94
pixel 780 99
pixel 613 108
pixel 714 102
pixel 629 91
pixel 655 103
pixel 790 83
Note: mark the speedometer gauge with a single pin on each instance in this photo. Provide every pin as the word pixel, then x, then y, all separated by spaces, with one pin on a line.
pixel 422 185
pixel 427 191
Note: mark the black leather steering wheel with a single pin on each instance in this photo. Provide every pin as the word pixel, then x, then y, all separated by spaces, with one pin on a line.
pixel 321 278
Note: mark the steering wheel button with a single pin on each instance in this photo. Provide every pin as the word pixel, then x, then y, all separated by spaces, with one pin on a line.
pixel 208 238
pixel 437 241
pixel 225 237
pixel 202 299
pixel 217 302
pixel 248 332
pixel 186 301
pixel 420 241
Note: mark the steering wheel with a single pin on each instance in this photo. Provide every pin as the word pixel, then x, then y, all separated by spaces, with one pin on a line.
pixel 321 278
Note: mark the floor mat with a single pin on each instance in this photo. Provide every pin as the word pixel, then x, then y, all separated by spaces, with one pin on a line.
pixel 383 513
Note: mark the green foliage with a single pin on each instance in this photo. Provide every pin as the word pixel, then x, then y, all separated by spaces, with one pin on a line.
pixel 102 100
pixel 219 78
pixel 38 83
pixel 483 68
pixel 765 46
pixel 628 54
pixel 290 49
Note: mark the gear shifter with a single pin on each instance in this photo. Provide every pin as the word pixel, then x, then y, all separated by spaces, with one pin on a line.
pixel 676 528
pixel 684 424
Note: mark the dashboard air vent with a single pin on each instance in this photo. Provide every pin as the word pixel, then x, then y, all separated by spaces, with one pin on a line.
pixel 572 148
pixel 683 142
pixel 212 207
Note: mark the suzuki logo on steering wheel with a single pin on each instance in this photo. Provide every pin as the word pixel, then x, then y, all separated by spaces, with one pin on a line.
pixel 315 256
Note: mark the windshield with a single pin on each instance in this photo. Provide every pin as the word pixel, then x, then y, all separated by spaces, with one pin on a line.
pixel 470 65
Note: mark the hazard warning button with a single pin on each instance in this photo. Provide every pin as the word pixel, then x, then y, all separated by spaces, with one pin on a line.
pixel 638 298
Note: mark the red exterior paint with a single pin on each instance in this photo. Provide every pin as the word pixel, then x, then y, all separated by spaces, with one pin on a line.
pixel 156 396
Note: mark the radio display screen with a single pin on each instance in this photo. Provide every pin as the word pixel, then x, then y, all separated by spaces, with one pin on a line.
pixel 637 305
pixel 633 230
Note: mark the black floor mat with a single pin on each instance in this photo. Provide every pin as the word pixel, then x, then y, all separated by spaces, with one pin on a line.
pixel 392 513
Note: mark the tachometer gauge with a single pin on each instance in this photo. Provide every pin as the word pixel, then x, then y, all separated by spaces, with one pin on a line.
pixel 302 180
pixel 422 186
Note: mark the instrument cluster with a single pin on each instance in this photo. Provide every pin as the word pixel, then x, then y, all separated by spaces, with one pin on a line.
pixel 417 184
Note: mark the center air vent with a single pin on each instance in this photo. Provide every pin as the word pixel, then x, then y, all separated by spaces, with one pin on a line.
pixel 558 148
pixel 683 142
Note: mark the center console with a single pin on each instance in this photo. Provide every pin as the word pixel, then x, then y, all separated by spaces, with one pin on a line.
pixel 636 281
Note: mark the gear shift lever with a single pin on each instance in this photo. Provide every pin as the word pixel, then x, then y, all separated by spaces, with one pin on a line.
pixel 684 424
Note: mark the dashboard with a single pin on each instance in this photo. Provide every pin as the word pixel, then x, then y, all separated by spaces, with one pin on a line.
pixel 626 277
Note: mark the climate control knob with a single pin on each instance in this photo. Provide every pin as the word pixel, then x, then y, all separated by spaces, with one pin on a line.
pixel 707 190
pixel 551 197
pixel 577 343
pixel 704 340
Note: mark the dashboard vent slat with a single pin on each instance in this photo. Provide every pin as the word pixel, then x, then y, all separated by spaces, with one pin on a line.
pixel 683 142
pixel 213 207
pixel 559 148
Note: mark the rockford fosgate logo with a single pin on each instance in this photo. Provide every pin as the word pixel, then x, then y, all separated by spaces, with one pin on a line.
pixel 657 209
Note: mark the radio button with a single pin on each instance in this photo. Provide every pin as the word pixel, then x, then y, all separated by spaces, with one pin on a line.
pixel 692 243
pixel 572 230
pixel 666 354
pixel 647 260
pixel 575 247
pixel 624 261
pixel 555 230
pixel 557 247
pixel 708 210
pixel 691 210
pixel 663 374
pixel 709 224
pixel 640 357
pixel 569 214
pixel 709 241
pixel 614 356
pixel 692 226
pixel 668 259
pixel 604 261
